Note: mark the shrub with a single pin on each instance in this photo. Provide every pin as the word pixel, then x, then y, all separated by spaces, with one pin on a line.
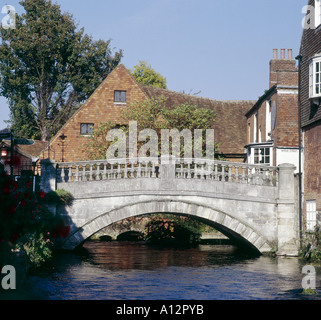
pixel 59 196
pixel 26 221
pixel 311 248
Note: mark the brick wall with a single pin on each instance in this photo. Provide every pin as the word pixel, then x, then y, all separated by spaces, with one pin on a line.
pixel 287 121
pixel 312 170
pixel 310 45
pixel 311 119
pixel 100 108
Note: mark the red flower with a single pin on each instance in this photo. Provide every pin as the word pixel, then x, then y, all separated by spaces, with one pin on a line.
pixel 23 203
pixel 61 231
pixel 42 194
pixel 17 196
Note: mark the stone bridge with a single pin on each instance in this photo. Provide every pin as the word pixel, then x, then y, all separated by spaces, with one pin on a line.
pixel 254 205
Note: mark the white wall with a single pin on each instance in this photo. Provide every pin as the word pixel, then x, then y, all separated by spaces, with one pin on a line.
pixel 289 156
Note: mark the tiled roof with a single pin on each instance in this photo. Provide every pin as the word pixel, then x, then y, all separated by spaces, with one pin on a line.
pixel 30 148
pixel 230 121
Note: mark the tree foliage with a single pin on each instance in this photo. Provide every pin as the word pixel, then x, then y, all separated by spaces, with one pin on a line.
pixel 151 114
pixel 145 74
pixel 48 67
pixel 173 230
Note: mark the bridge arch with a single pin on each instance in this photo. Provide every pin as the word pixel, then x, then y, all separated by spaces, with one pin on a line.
pixel 222 221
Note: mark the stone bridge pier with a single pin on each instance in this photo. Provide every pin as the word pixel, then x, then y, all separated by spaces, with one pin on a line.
pixel 254 205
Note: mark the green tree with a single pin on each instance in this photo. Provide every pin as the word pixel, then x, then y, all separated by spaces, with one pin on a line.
pixel 48 68
pixel 145 74
pixel 152 114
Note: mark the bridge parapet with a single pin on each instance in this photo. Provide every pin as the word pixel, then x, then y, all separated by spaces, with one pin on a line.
pixel 167 169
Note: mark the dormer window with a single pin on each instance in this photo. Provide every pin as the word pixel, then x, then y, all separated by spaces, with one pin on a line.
pixel 120 96
pixel 315 78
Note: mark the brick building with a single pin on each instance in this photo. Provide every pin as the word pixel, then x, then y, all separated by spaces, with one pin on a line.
pixel 272 123
pixel 310 103
pixel 119 90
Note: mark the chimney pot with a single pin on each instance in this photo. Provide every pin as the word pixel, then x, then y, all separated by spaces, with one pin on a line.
pixel 290 54
pixel 275 53
pixel 282 53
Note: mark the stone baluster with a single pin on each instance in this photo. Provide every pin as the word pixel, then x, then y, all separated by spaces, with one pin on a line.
pixel 91 172
pixel 216 172
pixel 98 172
pixel 84 177
pixel 243 175
pixel 139 170
pixel 188 176
pixel 119 171
pixel 131 170
pixel 77 173
pixel 202 171
pixel 182 171
pixel 237 175
pixel 70 173
pixel 153 169
pixel 230 176
pixel 145 169
pixel 193 171
pixel 104 176
pixel 62 173
pixel 110 172
pixel 209 171
pixel 126 169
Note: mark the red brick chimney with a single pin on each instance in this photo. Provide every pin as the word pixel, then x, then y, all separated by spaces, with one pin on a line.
pixel 279 67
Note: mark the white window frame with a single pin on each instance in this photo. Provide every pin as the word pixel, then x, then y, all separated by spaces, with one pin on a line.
pixel 317 13
pixel 261 155
pixel 255 127
pixel 311 214
pixel 268 120
pixel 255 155
pixel 315 77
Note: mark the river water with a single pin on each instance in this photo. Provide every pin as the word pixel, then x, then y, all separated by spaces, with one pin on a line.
pixel 135 271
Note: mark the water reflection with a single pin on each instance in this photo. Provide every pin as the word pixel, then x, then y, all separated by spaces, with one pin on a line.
pixel 134 271
pixel 136 255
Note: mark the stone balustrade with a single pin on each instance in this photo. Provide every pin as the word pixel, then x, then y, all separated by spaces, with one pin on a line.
pixel 231 172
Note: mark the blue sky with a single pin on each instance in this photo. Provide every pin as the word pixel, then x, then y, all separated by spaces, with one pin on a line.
pixel 221 48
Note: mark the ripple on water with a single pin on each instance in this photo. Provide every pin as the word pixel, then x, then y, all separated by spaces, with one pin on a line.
pixel 134 271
